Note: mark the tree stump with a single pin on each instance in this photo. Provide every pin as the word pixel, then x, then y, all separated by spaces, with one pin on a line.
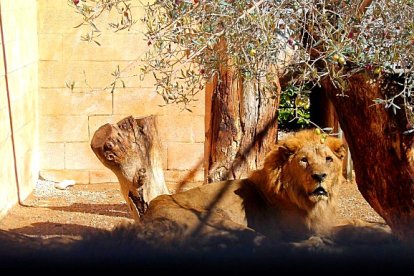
pixel 131 149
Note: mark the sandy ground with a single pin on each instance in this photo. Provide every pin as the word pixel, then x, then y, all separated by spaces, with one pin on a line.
pixel 75 211
pixel 50 212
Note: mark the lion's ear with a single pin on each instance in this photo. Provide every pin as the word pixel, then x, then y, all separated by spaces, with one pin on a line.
pixel 337 147
pixel 284 153
pixel 292 145
pixel 277 156
pixel 288 147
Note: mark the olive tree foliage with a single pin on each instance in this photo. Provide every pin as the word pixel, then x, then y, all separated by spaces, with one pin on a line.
pixel 91 10
pixel 189 42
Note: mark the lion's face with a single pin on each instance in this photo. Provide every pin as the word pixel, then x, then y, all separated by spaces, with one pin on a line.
pixel 302 169
pixel 311 174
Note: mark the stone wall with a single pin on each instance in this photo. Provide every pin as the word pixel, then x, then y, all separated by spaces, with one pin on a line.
pixel 19 19
pixel 68 118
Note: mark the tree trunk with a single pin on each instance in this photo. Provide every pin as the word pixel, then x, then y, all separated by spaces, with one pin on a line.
pixel 131 150
pixel 382 154
pixel 241 126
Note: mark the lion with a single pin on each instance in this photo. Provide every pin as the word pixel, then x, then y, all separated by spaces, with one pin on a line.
pixel 292 197
pixel 291 201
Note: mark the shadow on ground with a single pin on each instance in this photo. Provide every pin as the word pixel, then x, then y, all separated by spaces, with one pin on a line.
pixel 160 247
pixel 112 210
pixel 54 229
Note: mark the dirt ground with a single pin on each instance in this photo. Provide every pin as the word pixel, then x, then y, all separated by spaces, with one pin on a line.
pixel 75 211
pixel 80 209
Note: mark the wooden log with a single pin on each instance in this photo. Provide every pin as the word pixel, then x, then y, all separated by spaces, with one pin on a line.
pixel 131 149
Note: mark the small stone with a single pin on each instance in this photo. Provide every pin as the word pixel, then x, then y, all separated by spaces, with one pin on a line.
pixel 64 184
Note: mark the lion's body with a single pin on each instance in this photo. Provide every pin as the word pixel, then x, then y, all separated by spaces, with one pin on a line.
pixel 291 197
pixel 212 205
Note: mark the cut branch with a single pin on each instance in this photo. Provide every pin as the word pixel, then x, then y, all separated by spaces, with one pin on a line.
pixel 131 150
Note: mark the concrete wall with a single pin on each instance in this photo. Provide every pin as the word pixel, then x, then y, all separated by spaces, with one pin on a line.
pixel 21 44
pixel 68 119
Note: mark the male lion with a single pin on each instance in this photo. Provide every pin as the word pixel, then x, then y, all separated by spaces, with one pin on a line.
pixel 292 197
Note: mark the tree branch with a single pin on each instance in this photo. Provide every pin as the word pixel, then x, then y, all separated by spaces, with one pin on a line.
pixel 364 6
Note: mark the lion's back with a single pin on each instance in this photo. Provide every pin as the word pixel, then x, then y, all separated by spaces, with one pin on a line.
pixel 216 202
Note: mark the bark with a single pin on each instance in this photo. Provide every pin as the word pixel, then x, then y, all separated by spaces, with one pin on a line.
pixel 131 150
pixel 241 127
pixel 382 154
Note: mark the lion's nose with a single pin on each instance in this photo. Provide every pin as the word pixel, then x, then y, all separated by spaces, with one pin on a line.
pixel 319 176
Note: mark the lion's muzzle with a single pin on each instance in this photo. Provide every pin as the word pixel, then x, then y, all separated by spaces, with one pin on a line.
pixel 320 191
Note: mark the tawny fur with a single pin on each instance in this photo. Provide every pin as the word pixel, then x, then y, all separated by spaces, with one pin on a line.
pixel 286 180
pixel 275 201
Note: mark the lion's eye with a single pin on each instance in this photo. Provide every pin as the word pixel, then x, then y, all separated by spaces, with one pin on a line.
pixel 329 159
pixel 304 160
